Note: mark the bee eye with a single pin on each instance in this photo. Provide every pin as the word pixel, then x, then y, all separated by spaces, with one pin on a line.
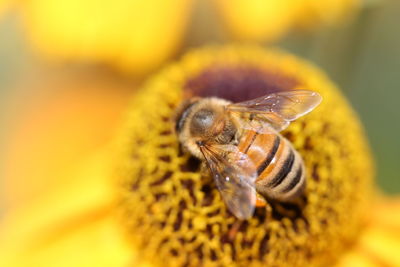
pixel 202 120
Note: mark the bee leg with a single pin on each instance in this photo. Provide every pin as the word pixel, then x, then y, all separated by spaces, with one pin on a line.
pixel 268 210
pixel 262 202
pixel 204 168
pixel 234 229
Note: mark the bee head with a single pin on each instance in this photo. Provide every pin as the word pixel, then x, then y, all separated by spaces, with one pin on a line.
pixel 203 120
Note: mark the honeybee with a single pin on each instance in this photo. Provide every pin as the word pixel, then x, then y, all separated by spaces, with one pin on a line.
pixel 241 145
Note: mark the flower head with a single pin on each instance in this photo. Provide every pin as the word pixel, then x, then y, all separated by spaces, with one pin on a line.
pixel 174 212
pixel 133 36
pixel 260 20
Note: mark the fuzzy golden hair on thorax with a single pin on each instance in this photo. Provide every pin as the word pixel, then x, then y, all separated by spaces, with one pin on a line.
pixel 174 214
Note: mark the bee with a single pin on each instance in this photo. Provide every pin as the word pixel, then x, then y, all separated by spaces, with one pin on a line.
pixel 240 143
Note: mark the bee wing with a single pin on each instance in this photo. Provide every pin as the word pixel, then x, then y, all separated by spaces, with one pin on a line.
pixel 234 175
pixel 276 110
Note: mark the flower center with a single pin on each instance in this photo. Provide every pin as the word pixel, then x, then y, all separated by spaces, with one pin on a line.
pixel 238 83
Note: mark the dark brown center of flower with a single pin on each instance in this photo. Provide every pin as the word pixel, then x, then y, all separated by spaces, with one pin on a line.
pixel 238 83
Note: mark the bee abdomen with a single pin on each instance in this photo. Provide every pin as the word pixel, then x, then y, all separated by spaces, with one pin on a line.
pixel 270 156
pixel 283 177
pixel 293 182
pixel 286 168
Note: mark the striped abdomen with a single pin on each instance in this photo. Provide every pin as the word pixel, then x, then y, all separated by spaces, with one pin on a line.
pixel 280 168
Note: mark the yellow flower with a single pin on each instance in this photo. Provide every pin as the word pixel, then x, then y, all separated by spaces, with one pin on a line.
pixel 137 36
pixel 57 205
pixel 313 13
pixel 260 20
pixel 4 4
pixel 55 129
pixel 166 214
pixel 133 36
pixel 181 216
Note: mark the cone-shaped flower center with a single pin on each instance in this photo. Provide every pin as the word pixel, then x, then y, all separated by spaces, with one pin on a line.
pixel 174 212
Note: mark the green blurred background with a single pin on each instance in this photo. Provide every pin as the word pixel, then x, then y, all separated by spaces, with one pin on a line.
pixel 364 60
pixel 362 57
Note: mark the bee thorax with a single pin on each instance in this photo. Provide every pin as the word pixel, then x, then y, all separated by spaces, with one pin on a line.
pixel 202 121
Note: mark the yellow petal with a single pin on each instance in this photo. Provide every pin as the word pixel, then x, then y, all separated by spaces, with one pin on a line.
pixel 50 133
pixel 261 20
pixel 58 196
pixel 314 13
pixel 354 259
pixel 257 19
pixel 73 225
pixel 134 36
pixel 4 4
pixel 380 242
pixel 387 214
